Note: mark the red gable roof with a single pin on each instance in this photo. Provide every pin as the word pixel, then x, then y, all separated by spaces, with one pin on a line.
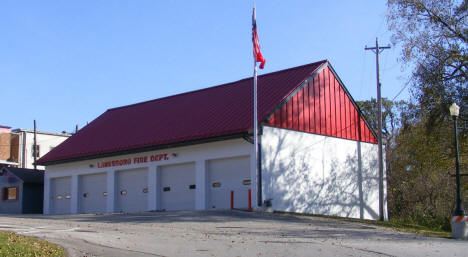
pixel 189 117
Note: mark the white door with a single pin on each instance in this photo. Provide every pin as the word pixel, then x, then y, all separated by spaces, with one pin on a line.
pixel 224 176
pixel 60 195
pixel 92 193
pixel 132 190
pixel 177 190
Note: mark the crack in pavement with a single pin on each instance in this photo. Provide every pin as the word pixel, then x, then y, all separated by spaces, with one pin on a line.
pixel 368 251
pixel 122 249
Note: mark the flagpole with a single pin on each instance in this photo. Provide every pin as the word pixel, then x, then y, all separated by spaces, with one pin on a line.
pixel 256 158
pixel 255 133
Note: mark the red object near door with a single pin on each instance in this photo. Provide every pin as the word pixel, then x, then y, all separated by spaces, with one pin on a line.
pixel 250 200
pixel 232 199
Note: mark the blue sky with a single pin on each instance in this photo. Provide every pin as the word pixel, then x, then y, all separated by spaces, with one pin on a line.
pixel 65 62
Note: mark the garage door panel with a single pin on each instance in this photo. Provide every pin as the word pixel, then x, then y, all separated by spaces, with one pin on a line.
pixel 132 190
pixel 60 195
pixel 92 193
pixel 178 187
pixel 226 175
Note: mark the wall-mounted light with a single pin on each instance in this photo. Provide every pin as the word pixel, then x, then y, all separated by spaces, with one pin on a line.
pixel 174 154
pixel 91 166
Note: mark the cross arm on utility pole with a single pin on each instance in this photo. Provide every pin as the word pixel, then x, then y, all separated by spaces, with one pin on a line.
pixel 374 49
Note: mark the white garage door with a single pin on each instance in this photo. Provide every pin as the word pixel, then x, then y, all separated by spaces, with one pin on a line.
pixel 132 190
pixel 178 187
pixel 60 195
pixel 92 193
pixel 225 175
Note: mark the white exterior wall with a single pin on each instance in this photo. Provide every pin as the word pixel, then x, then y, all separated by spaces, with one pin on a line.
pixel 46 143
pixel 198 154
pixel 301 172
pixel 316 174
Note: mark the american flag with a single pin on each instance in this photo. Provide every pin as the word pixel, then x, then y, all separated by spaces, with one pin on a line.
pixel 258 57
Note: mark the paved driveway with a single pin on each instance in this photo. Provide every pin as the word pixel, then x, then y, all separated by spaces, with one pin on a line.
pixel 224 233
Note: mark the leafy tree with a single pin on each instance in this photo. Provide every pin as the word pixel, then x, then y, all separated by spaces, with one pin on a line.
pixel 434 38
pixel 392 121
pixel 419 164
pixel 420 181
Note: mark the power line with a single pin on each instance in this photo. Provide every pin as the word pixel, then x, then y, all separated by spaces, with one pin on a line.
pixel 401 90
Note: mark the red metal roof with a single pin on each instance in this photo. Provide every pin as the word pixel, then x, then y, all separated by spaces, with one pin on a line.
pixel 208 113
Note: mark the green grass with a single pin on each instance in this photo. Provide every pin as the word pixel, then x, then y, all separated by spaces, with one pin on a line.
pixel 12 244
pixel 410 226
pixel 428 227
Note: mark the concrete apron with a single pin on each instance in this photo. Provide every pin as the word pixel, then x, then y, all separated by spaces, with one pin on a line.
pixel 460 227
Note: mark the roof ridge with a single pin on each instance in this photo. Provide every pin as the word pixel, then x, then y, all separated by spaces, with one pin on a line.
pixel 212 87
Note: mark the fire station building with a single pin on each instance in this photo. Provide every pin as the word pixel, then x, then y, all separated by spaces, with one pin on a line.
pixel 190 151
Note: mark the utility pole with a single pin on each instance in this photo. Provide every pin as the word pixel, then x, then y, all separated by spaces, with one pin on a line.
pixel 377 50
pixel 35 146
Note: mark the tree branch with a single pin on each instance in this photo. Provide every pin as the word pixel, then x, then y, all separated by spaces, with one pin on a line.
pixel 437 18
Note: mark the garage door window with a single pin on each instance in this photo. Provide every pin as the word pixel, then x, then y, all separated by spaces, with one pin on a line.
pixel 192 187
pixel 145 190
pixel 166 189
pixel 246 182
pixel 59 197
pixel 67 197
pixel 123 192
pixel 85 195
pixel 217 184
pixel 104 193
pixel 10 194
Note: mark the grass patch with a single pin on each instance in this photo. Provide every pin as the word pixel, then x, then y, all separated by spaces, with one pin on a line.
pixel 428 227
pixel 12 244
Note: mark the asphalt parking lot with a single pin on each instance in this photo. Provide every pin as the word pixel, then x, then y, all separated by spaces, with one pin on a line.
pixel 224 233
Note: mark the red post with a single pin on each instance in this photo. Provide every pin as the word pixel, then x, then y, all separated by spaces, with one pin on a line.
pixel 250 200
pixel 232 199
